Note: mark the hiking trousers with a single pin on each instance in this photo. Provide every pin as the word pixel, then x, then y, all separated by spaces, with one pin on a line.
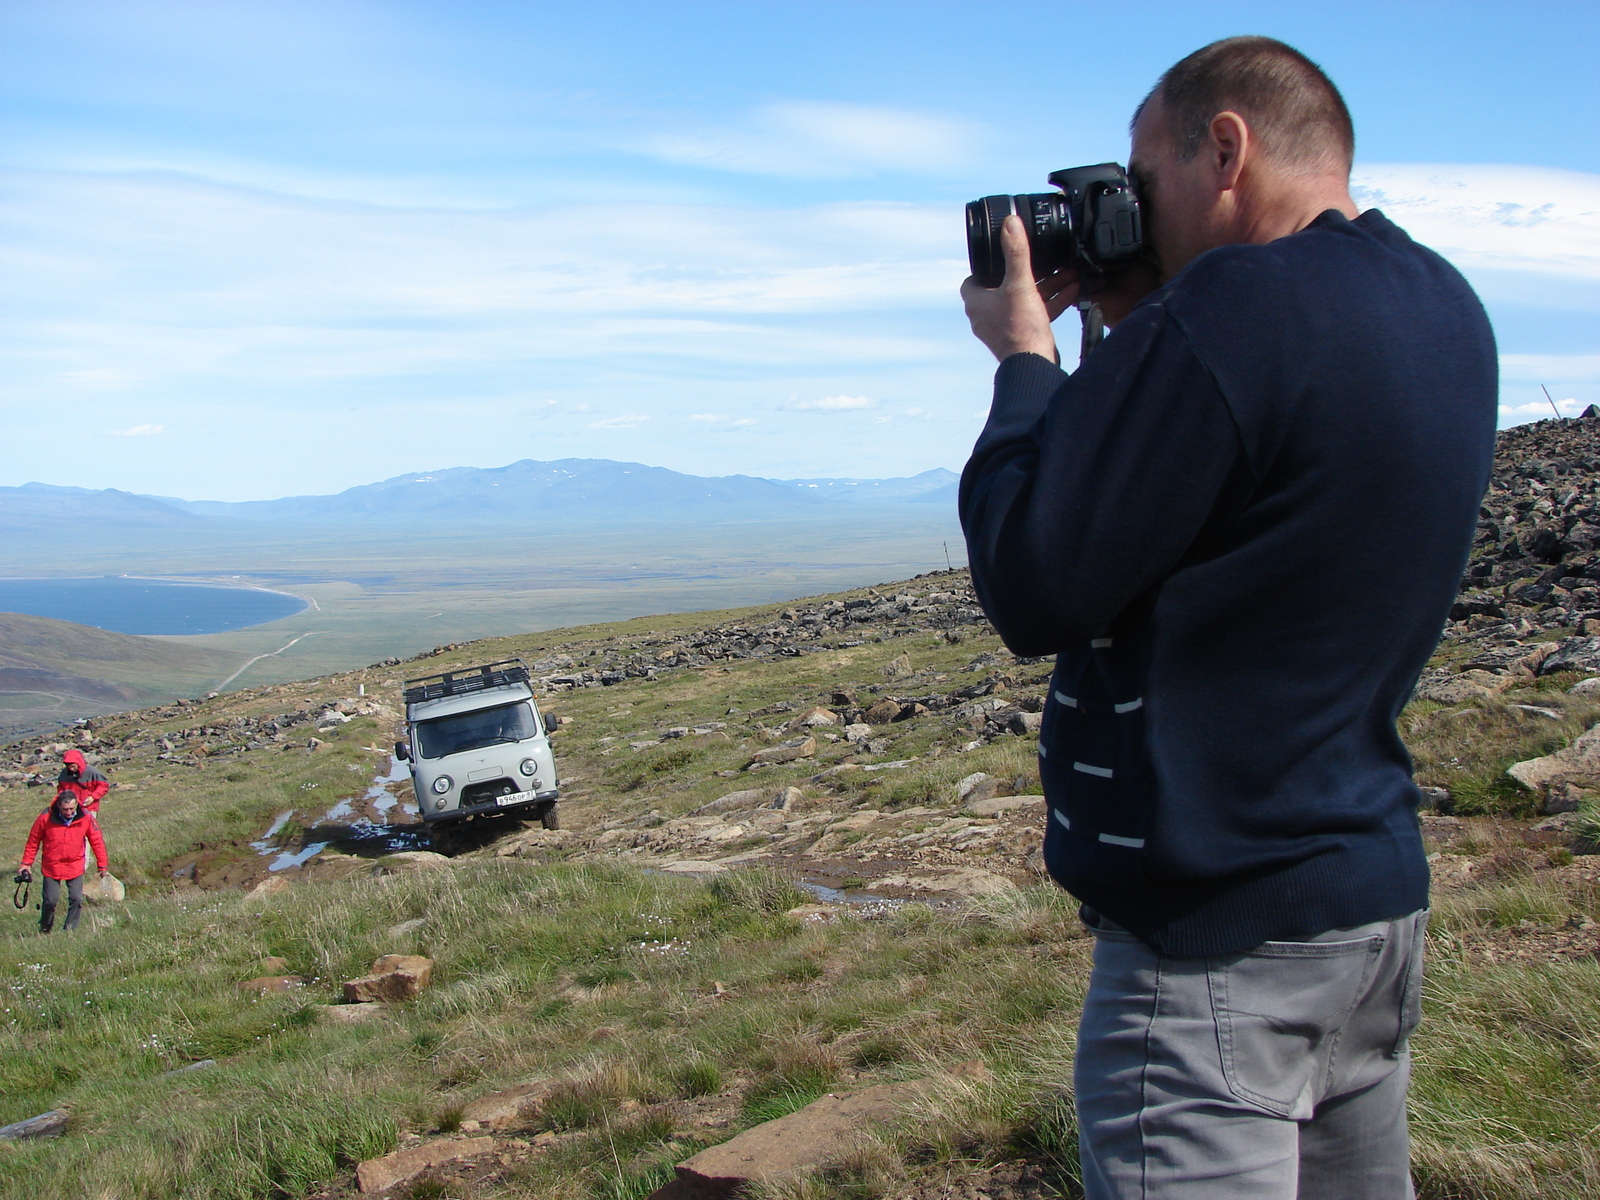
pixel 1276 1074
pixel 50 896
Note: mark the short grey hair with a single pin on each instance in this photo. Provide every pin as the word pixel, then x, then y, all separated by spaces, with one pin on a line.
pixel 1291 106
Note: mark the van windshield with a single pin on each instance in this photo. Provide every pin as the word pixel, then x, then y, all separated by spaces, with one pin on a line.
pixel 472 730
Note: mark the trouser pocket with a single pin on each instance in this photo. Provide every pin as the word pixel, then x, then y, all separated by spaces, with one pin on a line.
pixel 1279 1011
pixel 1411 990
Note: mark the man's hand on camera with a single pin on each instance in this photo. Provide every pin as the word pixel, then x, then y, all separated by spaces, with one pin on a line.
pixel 1124 289
pixel 1015 317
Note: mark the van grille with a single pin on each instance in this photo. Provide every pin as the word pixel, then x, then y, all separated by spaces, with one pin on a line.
pixel 475 794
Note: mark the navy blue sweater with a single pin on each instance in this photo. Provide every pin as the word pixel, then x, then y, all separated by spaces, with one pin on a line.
pixel 1240 526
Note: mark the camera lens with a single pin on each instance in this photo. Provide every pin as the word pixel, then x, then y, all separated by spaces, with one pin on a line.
pixel 1045 216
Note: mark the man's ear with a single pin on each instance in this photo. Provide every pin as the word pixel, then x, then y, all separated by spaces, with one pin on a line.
pixel 1231 144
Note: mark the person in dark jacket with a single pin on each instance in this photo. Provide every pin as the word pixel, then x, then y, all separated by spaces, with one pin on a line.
pixel 87 783
pixel 63 832
pixel 1239 526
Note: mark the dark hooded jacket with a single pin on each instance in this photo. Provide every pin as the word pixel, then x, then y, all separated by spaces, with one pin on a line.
pixel 63 840
pixel 87 783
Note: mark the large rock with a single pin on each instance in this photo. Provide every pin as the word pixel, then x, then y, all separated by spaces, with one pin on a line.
pixel 813 717
pixel 1581 760
pixel 786 751
pixel 509 1108
pixel 801 1141
pixel 995 805
pixel 1574 654
pixel 881 713
pixel 45 1125
pixel 393 977
pixel 380 1174
pixel 107 890
pixel 409 860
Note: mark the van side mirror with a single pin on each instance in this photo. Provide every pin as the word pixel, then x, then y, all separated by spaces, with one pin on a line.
pixel 402 752
pixel 551 723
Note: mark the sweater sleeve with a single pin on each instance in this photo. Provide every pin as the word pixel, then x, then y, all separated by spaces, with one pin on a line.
pixel 1085 491
pixel 35 835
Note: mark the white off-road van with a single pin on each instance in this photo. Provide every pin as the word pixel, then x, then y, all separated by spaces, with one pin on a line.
pixel 478 747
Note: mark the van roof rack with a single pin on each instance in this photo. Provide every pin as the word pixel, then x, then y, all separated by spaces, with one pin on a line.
pixel 463 682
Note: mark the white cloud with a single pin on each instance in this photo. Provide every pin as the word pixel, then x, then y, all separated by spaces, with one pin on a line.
pixel 804 138
pixel 626 421
pixel 1493 218
pixel 722 421
pixel 1539 410
pixel 138 431
pixel 832 404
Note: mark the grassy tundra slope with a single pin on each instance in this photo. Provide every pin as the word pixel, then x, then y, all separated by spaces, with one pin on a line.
pixel 49 668
pixel 673 1009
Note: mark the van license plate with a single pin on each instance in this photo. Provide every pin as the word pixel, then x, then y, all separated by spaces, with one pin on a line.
pixel 513 798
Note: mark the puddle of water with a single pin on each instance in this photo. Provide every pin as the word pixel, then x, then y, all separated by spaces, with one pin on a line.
pixel 836 896
pixel 295 858
pixel 265 845
pixel 352 834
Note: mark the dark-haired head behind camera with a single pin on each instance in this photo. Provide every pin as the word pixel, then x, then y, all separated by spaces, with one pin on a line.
pixel 1239 526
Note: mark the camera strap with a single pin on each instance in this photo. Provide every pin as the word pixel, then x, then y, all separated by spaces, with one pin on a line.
pixel 1094 327
pixel 19 896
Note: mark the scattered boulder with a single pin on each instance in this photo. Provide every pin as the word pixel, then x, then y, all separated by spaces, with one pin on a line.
pixel 267 984
pixel 976 787
pixel 1024 724
pixel 857 732
pixel 881 713
pixel 409 860
pixel 272 964
pixel 348 1014
pixel 898 666
pixel 1579 760
pixel 106 890
pixel 995 805
pixel 393 977
pixel 1574 654
pixel 405 928
pixel 775 1150
pixel 786 751
pixel 509 1108
pixel 1585 687
pixel 380 1174
pixel 735 801
pixel 45 1125
pixel 815 716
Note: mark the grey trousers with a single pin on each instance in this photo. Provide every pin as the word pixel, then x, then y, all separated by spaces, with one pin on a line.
pixel 1276 1074
pixel 50 896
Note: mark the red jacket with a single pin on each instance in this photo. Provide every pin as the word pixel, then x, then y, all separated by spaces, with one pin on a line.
pixel 63 840
pixel 88 785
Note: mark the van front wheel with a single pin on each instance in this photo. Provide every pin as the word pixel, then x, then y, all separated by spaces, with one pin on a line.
pixel 550 816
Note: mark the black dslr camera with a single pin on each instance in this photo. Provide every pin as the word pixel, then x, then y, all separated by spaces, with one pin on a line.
pixel 1092 223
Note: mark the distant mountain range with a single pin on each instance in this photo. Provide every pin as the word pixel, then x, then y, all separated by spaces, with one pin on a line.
pixel 523 493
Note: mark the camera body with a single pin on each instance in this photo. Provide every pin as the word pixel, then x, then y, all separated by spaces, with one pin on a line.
pixel 1092 224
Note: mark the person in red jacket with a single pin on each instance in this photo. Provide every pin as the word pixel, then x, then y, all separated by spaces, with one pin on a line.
pixel 83 781
pixel 62 831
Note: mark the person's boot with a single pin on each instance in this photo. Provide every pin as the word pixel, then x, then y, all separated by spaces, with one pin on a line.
pixel 47 919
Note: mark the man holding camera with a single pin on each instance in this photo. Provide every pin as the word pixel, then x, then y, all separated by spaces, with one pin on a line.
pixel 1240 526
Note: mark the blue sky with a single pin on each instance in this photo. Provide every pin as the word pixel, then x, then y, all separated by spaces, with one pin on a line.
pixel 257 249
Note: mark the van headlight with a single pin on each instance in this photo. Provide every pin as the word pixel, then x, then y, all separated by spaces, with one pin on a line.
pixel 529 767
pixel 443 784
